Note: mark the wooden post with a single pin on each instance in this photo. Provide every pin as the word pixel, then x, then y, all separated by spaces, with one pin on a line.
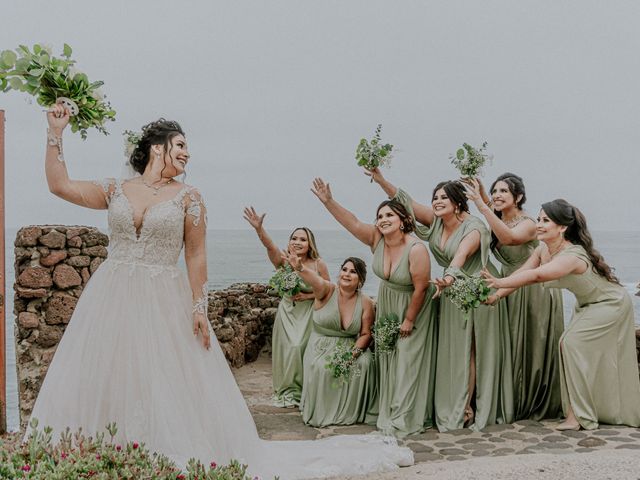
pixel 3 366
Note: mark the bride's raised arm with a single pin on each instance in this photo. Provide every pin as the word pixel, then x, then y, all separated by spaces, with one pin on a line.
pixel 423 213
pixel 195 256
pixel 83 193
pixel 365 232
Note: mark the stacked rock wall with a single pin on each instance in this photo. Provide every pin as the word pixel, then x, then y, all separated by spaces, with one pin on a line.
pixel 53 264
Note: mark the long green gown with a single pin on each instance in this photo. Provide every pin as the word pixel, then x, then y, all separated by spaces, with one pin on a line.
pixel 325 400
pixel 536 320
pixel 488 325
pixel 291 331
pixel 407 374
pixel 598 364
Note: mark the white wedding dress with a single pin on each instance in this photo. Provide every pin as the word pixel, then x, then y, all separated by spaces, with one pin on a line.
pixel 129 356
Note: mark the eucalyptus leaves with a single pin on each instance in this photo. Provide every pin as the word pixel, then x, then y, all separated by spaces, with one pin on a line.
pixel 48 78
pixel 470 160
pixel 373 154
pixel 386 332
pixel 467 293
pixel 285 282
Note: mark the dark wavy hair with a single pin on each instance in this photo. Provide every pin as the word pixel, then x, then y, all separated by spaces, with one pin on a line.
pixel 455 191
pixel 408 223
pixel 563 213
pixel 313 253
pixel 360 266
pixel 160 132
pixel 516 188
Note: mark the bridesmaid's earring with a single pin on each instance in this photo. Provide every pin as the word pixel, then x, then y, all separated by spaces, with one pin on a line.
pixel 401 227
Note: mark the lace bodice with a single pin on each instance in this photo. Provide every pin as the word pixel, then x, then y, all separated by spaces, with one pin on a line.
pixel 162 232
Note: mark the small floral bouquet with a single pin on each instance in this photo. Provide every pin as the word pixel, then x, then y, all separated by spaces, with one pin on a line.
pixel 342 363
pixel 373 154
pixel 285 282
pixel 468 293
pixel 470 160
pixel 131 140
pixel 386 332
pixel 54 80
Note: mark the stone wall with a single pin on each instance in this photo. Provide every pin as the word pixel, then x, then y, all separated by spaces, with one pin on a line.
pixel 53 264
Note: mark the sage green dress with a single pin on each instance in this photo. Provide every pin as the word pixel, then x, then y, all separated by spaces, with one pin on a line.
pixel 325 400
pixel 536 321
pixel 291 330
pixel 407 374
pixel 598 364
pixel 488 325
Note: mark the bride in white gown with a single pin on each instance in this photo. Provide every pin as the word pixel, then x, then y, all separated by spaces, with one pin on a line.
pixel 138 349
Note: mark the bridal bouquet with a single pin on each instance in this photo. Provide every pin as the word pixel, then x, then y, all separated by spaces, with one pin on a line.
pixel 342 364
pixel 54 80
pixel 373 154
pixel 468 293
pixel 285 282
pixel 385 333
pixel 470 160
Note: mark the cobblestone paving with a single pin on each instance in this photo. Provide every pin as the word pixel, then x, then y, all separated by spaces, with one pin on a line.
pixel 524 437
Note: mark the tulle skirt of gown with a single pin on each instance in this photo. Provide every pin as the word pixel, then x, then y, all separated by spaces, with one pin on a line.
pixel 129 356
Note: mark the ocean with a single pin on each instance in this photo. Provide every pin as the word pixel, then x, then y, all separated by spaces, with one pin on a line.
pixel 238 256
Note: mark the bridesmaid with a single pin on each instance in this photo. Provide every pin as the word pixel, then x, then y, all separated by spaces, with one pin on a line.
pixel 598 366
pixel 292 325
pixel 535 313
pixel 341 313
pixel 474 355
pixel 407 374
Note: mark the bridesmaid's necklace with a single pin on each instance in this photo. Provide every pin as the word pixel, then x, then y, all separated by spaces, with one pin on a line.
pixel 155 188
pixel 563 244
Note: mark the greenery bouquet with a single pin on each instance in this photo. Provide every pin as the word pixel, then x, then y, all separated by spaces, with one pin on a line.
pixel 373 154
pixel 386 332
pixel 54 80
pixel 470 160
pixel 342 363
pixel 467 293
pixel 285 282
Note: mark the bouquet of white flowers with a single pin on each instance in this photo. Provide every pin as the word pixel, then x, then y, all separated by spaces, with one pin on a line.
pixel 470 160
pixel 468 293
pixel 373 154
pixel 386 332
pixel 285 282
pixel 55 80
pixel 342 363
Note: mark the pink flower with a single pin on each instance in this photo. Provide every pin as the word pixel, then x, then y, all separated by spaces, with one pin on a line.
pixel 98 456
pixel 135 445
pixel 26 468
pixel 180 477
pixel 213 465
pixel 118 448
pixel 64 455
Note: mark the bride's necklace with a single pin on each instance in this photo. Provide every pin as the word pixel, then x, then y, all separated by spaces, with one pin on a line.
pixel 156 188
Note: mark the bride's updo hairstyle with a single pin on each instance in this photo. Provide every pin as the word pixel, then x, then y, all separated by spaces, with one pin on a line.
pixel 563 213
pixel 159 132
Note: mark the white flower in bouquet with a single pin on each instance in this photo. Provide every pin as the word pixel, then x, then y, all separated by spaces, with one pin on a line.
pixel 131 140
pixel 342 364
pixel 467 293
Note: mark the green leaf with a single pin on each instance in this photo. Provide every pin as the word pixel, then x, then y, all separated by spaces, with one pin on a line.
pixel 37 49
pixel 36 72
pixel 67 51
pixel 460 154
pixel 4 84
pixel 9 58
pixel 15 83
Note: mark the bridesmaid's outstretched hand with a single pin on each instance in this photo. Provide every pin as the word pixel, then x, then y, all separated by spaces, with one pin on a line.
pixel 374 173
pixel 254 219
pixel 441 284
pixel 490 280
pixel 321 190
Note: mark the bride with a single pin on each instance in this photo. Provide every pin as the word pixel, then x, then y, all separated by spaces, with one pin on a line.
pixel 138 350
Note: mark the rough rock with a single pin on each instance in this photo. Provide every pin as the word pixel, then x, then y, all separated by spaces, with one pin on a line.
pixel 54 257
pixel 65 276
pixel 35 277
pixel 53 239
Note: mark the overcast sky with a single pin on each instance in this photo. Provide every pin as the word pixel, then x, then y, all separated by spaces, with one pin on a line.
pixel 273 93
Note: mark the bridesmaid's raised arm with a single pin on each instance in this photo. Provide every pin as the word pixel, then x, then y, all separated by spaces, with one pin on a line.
pixel 423 213
pixel 365 232
pixel 255 220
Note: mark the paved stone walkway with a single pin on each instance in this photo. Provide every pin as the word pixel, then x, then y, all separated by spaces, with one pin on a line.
pixel 520 438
